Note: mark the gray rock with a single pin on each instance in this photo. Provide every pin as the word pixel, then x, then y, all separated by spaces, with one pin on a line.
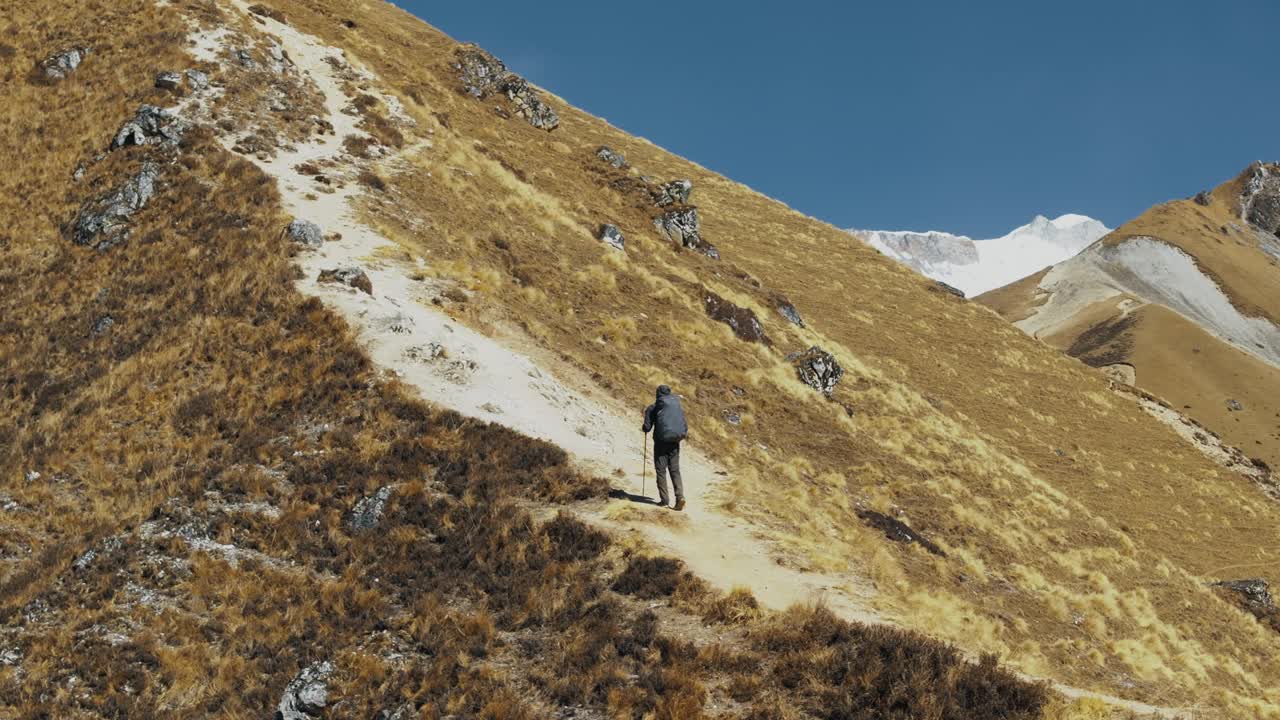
pixel 169 80
pixel 673 193
pixel 611 235
pixel 151 125
pixel 681 226
pixel 104 222
pixel 279 58
pixel 529 104
pixel 1234 405
pixel 788 311
pixel 732 417
pixel 61 64
pixel 818 369
pixel 367 512
pixel 939 285
pixel 1202 198
pixel 615 159
pixel 483 75
pixel 1255 593
pixel 306 694
pixel 350 276
pixel 1260 199
pixel 305 232
pixel 102 325
pixel 197 79
pixel 245 58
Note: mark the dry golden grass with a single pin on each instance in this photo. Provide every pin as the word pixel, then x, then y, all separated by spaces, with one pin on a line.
pixel 1005 453
pixel 185 551
pixel 1190 369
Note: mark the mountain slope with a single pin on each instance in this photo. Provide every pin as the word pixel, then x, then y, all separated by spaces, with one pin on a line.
pixel 977 266
pixel 221 465
pixel 1185 294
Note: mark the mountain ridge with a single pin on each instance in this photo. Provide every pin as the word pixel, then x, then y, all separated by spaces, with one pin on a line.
pixel 977 266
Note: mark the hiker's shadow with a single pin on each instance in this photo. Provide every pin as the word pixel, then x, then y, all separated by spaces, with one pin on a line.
pixel 619 494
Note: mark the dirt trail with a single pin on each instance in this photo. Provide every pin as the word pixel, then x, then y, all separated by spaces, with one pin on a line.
pixel 509 381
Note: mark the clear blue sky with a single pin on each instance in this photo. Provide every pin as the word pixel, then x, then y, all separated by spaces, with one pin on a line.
pixel 904 114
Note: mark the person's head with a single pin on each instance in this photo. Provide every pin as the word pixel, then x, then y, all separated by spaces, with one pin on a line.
pixel 664 390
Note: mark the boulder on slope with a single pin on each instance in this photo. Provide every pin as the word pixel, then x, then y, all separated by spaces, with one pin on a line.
pixel 616 159
pixel 352 277
pixel 483 75
pixel 675 192
pixel 307 694
pixel 611 235
pixel 61 64
pixel 818 369
pixel 305 232
pixel 680 225
pixel 103 222
pixel 151 125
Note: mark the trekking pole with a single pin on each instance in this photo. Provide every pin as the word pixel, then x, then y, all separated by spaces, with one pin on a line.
pixel 644 464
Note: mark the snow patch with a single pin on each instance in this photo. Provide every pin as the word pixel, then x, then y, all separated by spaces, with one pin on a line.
pixel 1155 272
pixel 976 266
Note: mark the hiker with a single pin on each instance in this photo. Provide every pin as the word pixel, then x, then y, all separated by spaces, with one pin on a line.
pixel 665 418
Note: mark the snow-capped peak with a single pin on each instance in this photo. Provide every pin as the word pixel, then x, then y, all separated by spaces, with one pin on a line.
pixel 976 266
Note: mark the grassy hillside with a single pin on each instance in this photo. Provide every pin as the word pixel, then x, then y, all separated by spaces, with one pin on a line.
pixel 209 446
pixel 1078 532
pixel 1186 365
pixel 182 483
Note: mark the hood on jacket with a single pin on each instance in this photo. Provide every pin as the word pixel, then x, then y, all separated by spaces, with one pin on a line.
pixel 663 390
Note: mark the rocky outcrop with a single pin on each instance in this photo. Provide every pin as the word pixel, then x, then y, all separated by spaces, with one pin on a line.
pixel 367 512
pixel 529 105
pixel 898 531
pixel 151 125
pixel 307 694
pixel 1254 597
pixel 611 235
pixel 244 58
pixel 197 80
pixel 104 222
pixel 615 159
pixel 1255 593
pixel 1202 198
pixel 818 369
pixel 744 322
pixel 483 75
pixel 305 232
pixel 787 310
pixel 352 277
pixel 680 225
pixel 1260 198
pixel 675 192
pixel 950 289
pixel 59 65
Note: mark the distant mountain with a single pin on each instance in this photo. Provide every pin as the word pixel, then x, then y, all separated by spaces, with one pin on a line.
pixel 976 266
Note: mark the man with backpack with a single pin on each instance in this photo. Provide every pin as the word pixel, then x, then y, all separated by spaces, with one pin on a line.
pixel 666 418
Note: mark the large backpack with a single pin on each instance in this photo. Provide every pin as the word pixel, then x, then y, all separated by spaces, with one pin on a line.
pixel 669 424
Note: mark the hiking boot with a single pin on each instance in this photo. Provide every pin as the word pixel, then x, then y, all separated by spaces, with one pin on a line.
pixel 679 504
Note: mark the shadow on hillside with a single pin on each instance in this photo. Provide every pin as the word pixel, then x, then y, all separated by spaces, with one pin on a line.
pixel 618 494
